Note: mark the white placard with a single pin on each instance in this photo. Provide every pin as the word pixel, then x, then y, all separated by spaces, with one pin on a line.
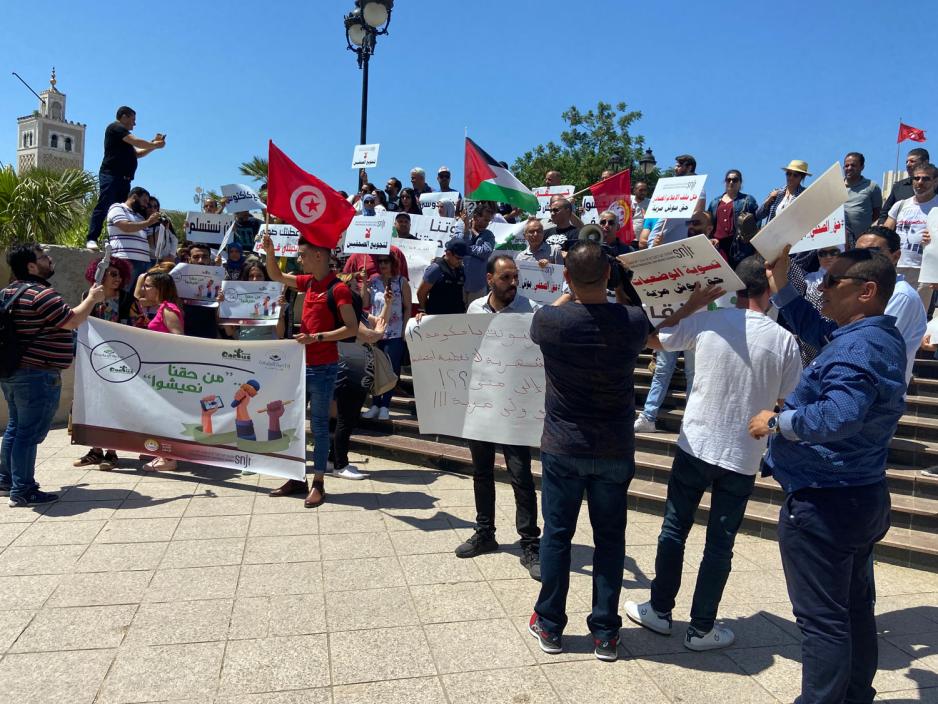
pixel 369 234
pixel 219 403
pixel 478 377
pixel 830 232
pixel 240 198
pixel 197 284
pixel 429 201
pixel 664 276
pixel 929 271
pixel 676 197
pixel 418 254
pixel 431 227
pixel 545 193
pixel 814 204
pixel 589 214
pixel 541 284
pixel 250 303
pixel 365 156
pixel 207 228
pixel 286 240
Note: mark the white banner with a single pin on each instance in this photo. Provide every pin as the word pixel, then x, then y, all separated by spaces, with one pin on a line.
pixel 285 238
pixel 429 201
pixel 250 303
pixel 431 227
pixel 478 377
pixel 369 234
pixel 664 276
pixel 814 204
pixel 419 254
pixel 234 405
pixel 541 284
pixel 365 156
pixel 545 193
pixel 198 284
pixel 240 198
pixel 929 271
pixel 207 228
pixel 830 232
pixel 676 197
pixel 589 214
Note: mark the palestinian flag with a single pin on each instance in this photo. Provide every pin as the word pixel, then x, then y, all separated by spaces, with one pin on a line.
pixel 487 180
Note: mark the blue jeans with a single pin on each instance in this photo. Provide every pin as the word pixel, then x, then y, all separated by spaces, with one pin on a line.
pixel 32 396
pixel 395 351
pixel 730 491
pixel 665 364
pixel 320 385
pixel 112 189
pixel 564 479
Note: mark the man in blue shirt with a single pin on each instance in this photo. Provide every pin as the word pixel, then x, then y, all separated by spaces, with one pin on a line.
pixel 828 448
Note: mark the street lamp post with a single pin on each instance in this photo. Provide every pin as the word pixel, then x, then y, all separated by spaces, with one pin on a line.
pixel 647 162
pixel 615 161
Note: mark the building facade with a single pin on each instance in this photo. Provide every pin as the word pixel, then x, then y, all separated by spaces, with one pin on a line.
pixel 46 139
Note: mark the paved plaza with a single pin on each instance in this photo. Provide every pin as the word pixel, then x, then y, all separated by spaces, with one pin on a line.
pixel 198 587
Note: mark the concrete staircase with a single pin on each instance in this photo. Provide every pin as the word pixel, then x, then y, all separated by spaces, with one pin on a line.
pixel 912 540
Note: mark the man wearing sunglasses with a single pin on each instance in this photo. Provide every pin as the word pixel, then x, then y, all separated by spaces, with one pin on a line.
pixel 561 214
pixel 902 189
pixel 828 445
pixel 909 218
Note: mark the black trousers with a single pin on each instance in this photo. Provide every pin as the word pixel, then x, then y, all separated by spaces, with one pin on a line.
pixel 349 398
pixel 522 481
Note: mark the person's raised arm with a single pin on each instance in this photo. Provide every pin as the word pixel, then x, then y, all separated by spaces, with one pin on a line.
pixel 273 271
pixel 81 312
pixel 699 299
pixel 131 226
pixel 804 319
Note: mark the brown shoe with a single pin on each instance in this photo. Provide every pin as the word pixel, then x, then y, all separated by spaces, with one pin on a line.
pixel 317 496
pixel 291 488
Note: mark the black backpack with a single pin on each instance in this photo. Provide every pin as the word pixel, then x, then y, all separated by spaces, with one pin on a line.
pixel 357 304
pixel 11 346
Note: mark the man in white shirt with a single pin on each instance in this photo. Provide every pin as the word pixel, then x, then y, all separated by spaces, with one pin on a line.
pixel 909 219
pixel 127 225
pixel 640 203
pixel 740 349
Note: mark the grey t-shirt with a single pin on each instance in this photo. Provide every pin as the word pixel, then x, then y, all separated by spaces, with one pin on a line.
pixel 862 198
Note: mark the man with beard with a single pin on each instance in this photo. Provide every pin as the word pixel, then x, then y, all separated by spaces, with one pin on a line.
pixel 127 225
pixel 33 383
pixel 561 214
pixel 502 278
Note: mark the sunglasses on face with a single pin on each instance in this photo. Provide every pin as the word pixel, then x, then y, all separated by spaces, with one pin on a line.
pixel 555 210
pixel 793 174
pixel 607 222
pixel 733 179
pixel 830 281
pixel 113 273
pixel 828 252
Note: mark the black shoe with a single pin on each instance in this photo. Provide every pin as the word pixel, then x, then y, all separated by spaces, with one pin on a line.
pixel 478 544
pixel 531 561
pixel 33 497
pixel 550 642
pixel 606 650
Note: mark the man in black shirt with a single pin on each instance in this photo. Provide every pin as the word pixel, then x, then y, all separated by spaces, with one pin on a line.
pixel 561 214
pixel 441 291
pixel 121 151
pixel 902 189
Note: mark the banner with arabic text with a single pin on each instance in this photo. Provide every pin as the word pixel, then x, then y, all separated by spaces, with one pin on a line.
pixel 541 284
pixel 830 232
pixel 676 197
pixel 250 303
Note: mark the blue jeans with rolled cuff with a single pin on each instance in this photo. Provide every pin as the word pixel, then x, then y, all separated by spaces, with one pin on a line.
pixel 32 396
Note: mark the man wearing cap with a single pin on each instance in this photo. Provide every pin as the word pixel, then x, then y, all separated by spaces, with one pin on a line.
pixel 402 227
pixel 418 179
pixel 781 198
pixel 442 290
pixel 443 177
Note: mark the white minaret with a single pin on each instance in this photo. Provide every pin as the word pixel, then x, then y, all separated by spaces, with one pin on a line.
pixel 46 139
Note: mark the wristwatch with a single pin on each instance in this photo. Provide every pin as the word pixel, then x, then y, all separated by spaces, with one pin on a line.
pixel 772 424
pixel 318 337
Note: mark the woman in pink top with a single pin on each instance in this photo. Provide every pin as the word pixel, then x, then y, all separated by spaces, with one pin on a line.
pixel 159 291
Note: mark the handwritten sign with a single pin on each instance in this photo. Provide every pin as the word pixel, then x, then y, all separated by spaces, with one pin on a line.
pixel 419 254
pixel 830 232
pixel 545 193
pixel 207 228
pixel 664 276
pixel 365 156
pixel 240 198
pixel 929 271
pixel 543 285
pixel 197 284
pixel 250 302
pixel 478 377
pixel 676 197
pixel 814 204
pixel 286 240
pixel 368 234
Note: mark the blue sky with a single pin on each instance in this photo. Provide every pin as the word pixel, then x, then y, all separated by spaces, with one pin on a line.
pixel 747 85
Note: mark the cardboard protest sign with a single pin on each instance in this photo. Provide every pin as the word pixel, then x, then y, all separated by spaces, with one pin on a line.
pixel 419 254
pixel 432 227
pixel 664 276
pixel 929 271
pixel 286 239
pixel 365 156
pixel 541 284
pixel 676 197
pixel 478 377
pixel 240 198
pixel 545 193
pixel 830 232
pixel 232 405
pixel 814 204
pixel 368 234
pixel 207 228
pixel 197 284
pixel 250 303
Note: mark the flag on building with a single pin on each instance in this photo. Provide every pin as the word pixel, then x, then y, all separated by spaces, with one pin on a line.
pixel 912 133
pixel 486 179
pixel 615 195
pixel 304 201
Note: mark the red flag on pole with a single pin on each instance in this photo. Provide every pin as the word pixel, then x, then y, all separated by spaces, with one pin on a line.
pixel 912 133
pixel 615 194
pixel 302 200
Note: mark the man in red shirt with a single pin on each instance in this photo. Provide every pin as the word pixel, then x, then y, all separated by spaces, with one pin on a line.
pixel 319 331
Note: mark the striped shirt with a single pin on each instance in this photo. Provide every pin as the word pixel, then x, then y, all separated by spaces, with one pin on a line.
pixel 39 314
pixel 126 245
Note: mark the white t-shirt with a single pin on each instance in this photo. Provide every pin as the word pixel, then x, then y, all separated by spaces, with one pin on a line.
pixel 786 201
pixel 744 362
pixel 911 217
pixel 126 245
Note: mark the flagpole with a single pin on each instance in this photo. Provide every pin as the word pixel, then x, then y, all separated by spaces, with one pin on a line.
pixel 897 151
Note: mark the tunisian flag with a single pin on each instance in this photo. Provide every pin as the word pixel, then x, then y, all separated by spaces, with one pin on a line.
pixel 615 194
pixel 302 200
pixel 912 133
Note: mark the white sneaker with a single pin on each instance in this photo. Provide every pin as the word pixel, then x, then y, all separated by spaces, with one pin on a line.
pixel 930 472
pixel 92 246
pixel 349 471
pixel 384 414
pixel 645 616
pixel 718 637
pixel 371 413
pixel 645 425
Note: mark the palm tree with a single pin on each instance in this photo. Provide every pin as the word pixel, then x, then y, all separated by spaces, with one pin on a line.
pixel 256 168
pixel 40 205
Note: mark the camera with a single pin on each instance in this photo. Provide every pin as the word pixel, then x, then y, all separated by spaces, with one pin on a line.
pixel 619 275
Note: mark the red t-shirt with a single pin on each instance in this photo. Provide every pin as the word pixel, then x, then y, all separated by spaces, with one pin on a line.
pixel 317 317
pixel 369 262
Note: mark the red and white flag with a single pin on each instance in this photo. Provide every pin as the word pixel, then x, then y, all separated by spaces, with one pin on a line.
pixel 312 206
pixel 911 133
pixel 615 195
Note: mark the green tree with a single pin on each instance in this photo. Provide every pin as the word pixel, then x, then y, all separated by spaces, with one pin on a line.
pixel 43 206
pixel 587 148
pixel 256 168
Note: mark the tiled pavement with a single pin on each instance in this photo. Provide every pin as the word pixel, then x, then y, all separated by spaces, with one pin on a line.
pixel 199 587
